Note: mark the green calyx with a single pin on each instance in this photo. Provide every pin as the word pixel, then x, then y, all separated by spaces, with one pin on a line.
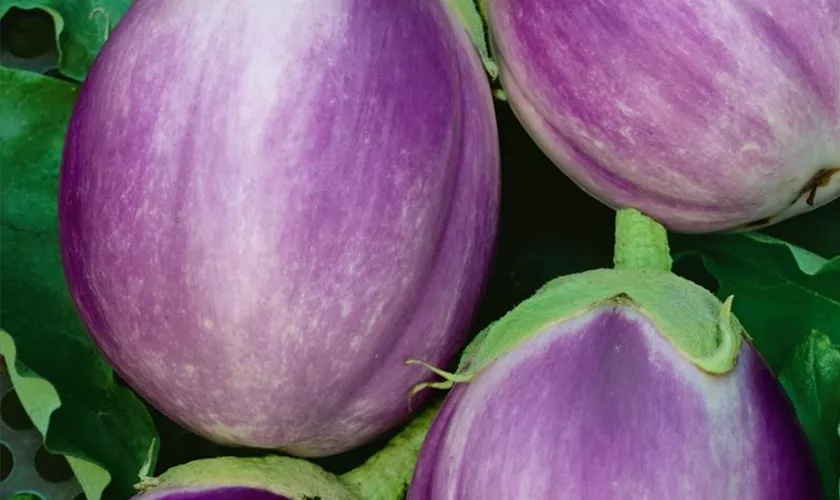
pixel 693 319
pixel 387 474
pixel 696 323
pixel 468 14
pixel 384 476
pixel 290 477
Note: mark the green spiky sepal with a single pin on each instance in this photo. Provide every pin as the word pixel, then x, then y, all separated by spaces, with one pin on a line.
pixel 702 328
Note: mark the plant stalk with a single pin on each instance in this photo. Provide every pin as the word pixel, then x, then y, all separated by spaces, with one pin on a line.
pixel 387 474
pixel 640 242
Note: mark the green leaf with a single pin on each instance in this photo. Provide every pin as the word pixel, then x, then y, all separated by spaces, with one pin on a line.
pixel 40 400
pixel 818 230
pixel 64 384
pixel 812 380
pixel 28 41
pixel 81 28
pixel 467 13
pixel 781 291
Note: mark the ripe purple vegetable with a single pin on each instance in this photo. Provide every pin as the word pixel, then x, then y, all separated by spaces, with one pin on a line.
pixel 616 383
pixel 707 115
pixel 266 208
pixel 213 493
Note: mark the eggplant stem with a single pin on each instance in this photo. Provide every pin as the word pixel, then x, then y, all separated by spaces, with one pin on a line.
pixel 387 474
pixel 640 242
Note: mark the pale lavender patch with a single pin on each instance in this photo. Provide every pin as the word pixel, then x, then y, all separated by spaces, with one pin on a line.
pixel 707 114
pixel 259 265
pixel 212 493
pixel 601 406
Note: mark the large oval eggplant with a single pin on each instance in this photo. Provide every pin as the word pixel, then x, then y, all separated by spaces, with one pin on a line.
pixel 267 207
pixel 707 115
pixel 630 382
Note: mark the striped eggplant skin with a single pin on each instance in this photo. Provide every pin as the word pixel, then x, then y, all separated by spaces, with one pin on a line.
pixel 212 493
pixel 602 406
pixel 267 207
pixel 707 115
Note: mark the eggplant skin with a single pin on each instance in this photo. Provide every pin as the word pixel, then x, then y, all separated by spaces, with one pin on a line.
pixel 602 406
pixel 212 493
pixel 707 115
pixel 267 207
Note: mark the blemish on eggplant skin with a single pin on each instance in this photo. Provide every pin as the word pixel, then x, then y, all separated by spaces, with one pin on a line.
pixel 820 179
pixel 757 223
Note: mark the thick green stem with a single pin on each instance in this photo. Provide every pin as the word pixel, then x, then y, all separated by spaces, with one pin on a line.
pixel 640 242
pixel 387 474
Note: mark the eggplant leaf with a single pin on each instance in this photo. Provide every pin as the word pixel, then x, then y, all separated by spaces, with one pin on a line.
pixel 67 388
pixel 39 399
pixel 781 291
pixel 817 230
pixel 81 28
pixel 812 380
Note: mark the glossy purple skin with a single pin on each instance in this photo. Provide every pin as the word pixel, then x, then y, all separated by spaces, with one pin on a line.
pixel 267 208
pixel 603 407
pixel 215 493
pixel 707 115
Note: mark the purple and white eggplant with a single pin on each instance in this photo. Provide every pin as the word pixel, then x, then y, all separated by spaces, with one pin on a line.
pixel 266 207
pixel 707 115
pixel 616 383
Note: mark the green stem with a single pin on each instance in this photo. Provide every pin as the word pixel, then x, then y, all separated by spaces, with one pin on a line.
pixel 387 474
pixel 640 242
